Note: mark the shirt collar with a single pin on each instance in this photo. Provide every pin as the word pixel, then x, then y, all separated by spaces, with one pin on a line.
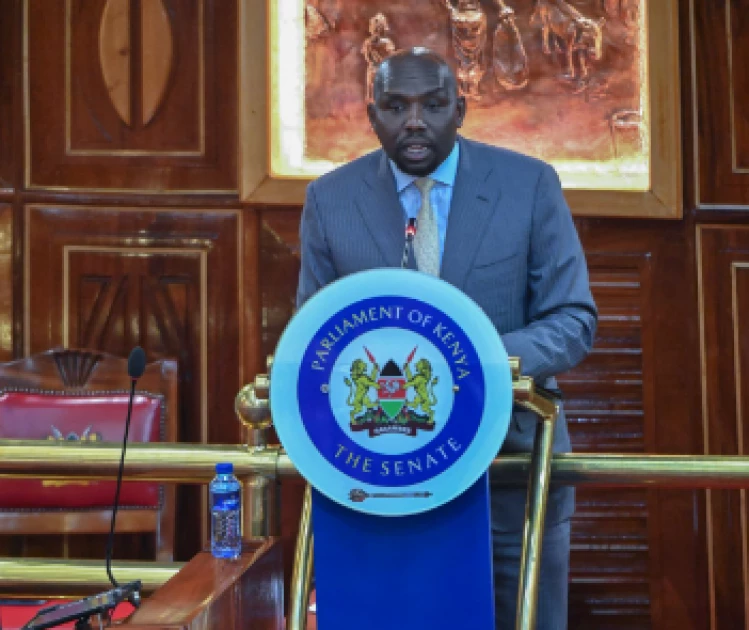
pixel 445 173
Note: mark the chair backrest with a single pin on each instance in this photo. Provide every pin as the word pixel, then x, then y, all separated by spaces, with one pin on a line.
pixel 83 395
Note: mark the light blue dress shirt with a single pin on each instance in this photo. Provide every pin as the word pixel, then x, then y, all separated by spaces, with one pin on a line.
pixel 441 195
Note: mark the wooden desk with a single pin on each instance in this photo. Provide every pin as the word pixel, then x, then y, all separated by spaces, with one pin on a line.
pixel 219 594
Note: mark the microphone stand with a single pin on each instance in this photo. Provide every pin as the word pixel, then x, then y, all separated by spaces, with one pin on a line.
pixel 118 487
pixel 102 605
pixel 136 365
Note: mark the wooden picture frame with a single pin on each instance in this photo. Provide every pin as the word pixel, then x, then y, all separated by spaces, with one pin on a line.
pixel 663 199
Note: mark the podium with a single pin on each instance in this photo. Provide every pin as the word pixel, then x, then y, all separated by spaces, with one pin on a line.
pixel 392 393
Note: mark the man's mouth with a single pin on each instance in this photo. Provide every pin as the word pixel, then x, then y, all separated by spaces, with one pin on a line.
pixel 415 151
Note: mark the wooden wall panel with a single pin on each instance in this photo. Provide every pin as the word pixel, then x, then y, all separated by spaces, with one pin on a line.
pixel 279 255
pixel 6 282
pixel 164 279
pixel 10 37
pixel 724 308
pixel 738 24
pixel 720 92
pixel 279 251
pixel 131 95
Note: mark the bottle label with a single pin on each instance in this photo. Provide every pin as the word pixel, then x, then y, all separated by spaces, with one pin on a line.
pixel 225 500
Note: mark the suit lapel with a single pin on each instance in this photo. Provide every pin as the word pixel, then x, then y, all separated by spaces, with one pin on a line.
pixel 382 211
pixel 474 199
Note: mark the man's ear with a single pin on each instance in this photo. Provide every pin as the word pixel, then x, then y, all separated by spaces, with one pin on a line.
pixel 460 110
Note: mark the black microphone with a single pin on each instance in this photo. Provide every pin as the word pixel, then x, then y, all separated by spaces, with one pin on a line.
pixel 136 365
pixel 410 234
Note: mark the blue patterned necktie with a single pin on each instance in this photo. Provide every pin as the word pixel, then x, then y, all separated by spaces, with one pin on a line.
pixel 427 239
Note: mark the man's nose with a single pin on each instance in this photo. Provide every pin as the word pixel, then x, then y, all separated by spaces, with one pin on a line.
pixel 415 121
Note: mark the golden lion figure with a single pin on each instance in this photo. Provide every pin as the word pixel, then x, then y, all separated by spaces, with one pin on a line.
pixel 423 385
pixel 359 385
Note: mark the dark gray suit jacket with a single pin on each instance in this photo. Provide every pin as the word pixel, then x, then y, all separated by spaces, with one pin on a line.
pixel 511 246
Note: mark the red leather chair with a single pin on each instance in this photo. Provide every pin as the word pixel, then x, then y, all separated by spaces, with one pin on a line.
pixel 83 395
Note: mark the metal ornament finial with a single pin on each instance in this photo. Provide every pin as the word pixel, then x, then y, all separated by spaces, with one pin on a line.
pixel 252 406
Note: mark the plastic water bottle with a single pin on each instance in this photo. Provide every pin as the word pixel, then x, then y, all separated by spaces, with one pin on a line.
pixel 226 508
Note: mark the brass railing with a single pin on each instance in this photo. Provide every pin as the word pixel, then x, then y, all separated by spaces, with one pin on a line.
pixel 188 463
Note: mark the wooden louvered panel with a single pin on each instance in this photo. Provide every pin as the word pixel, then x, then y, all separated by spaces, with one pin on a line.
pixel 604 403
pixel 610 562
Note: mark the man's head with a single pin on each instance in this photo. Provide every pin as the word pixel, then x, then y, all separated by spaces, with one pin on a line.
pixel 416 111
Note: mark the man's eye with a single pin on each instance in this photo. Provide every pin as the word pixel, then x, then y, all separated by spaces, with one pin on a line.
pixel 433 106
pixel 396 107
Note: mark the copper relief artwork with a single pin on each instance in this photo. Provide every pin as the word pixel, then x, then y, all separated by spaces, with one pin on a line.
pixel 563 80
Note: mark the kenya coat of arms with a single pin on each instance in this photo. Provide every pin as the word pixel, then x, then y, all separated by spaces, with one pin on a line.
pixel 391 410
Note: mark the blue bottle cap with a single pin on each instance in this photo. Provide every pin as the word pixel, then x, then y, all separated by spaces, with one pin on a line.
pixel 224 469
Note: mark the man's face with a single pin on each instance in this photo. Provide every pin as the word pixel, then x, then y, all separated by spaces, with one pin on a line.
pixel 416 114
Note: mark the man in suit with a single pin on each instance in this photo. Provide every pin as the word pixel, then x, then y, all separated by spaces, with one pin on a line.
pixel 491 222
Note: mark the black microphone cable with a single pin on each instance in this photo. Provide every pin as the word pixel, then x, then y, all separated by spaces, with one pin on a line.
pixel 136 365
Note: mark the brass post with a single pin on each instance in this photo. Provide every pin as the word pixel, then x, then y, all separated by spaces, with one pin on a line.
pixel 260 494
pixel 533 530
pixel 301 576
pixel 544 406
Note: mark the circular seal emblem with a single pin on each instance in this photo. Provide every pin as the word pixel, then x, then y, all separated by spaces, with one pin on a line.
pixel 391 392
